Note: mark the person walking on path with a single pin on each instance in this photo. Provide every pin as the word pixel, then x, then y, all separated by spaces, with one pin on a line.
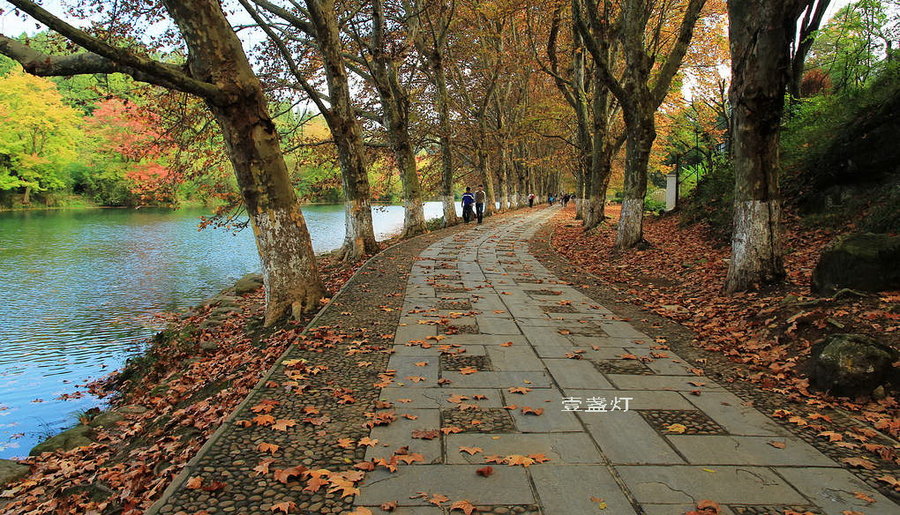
pixel 479 203
pixel 468 200
pixel 531 200
pixel 565 200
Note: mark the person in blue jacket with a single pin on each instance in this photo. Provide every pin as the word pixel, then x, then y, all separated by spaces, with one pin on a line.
pixel 468 203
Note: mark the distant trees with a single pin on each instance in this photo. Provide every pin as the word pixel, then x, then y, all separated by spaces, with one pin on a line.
pixel 39 135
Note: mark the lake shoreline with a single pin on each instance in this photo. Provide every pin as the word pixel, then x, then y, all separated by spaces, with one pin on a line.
pixel 168 401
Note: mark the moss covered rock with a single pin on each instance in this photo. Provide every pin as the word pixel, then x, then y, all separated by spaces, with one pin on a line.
pixel 852 364
pixel 78 436
pixel 866 262
pixel 12 471
pixel 248 284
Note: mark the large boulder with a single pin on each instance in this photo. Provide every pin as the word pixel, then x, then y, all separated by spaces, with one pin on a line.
pixel 865 262
pixel 78 436
pixel 852 364
pixel 12 471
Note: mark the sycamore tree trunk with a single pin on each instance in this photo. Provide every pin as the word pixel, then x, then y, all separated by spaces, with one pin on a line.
pixel 404 154
pixel 394 98
pixel 443 105
pixel 641 132
pixel 359 240
pixel 760 33
pixel 601 158
pixel 216 56
pixel 488 178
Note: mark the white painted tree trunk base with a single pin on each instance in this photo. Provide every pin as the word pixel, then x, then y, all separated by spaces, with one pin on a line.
pixel 286 255
pixel 359 240
pixel 630 231
pixel 413 219
pixel 755 246
pixel 593 213
pixel 449 205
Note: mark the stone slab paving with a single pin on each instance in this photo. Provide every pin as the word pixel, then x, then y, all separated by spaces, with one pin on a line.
pixel 564 370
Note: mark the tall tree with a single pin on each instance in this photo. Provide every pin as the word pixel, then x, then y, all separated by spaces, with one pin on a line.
pixel 642 87
pixel 316 27
pixel 761 33
pixel 383 51
pixel 433 19
pixel 218 71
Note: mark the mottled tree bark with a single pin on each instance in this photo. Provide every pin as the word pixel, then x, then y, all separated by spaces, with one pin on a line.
pixel 359 240
pixel 216 56
pixel 760 33
pixel 394 98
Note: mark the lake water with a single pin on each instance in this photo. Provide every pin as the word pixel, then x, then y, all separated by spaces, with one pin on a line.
pixel 80 290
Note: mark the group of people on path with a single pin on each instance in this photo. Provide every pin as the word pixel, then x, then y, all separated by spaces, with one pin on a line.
pixel 476 200
pixel 473 203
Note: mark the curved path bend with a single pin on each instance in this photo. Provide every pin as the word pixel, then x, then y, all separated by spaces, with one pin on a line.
pixel 532 371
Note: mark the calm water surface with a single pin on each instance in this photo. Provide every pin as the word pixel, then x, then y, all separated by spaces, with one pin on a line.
pixel 80 290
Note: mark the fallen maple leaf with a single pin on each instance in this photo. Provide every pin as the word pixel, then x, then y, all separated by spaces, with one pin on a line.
pixel 264 420
pixel 283 424
pixel 518 459
pixel 676 428
pixel 506 344
pixel 832 436
pixel 859 463
pixel 470 450
pixel 267 447
pixel 451 429
pixel 263 467
pixel 285 475
pixel 778 445
pixel 464 506
pixel 426 435
pixel 863 497
pixel 314 484
pixel 345 443
pixel 467 370
pixel 389 506
pixel 526 410
pixel 194 483
pixel 366 441
pixel 438 499
pixel 285 507
pixel 519 389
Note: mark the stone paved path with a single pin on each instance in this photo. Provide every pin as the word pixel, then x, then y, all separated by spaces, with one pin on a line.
pixel 627 458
